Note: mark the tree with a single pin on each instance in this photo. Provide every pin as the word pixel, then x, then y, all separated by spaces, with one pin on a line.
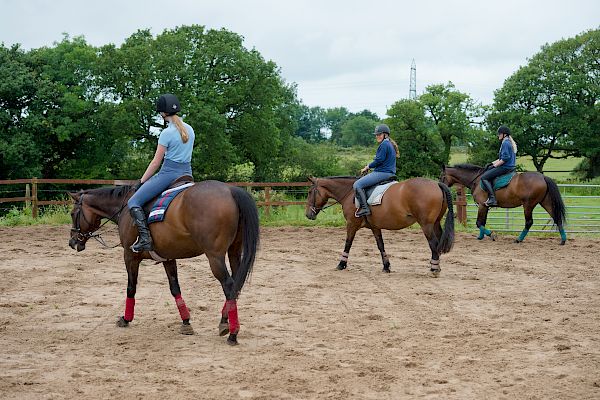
pixel 551 104
pixel 334 119
pixel 311 124
pixel 358 131
pixel 451 111
pixel 421 148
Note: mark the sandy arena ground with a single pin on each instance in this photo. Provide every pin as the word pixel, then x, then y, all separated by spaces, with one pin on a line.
pixel 502 321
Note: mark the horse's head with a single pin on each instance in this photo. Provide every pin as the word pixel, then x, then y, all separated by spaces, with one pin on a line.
pixel 446 177
pixel 316 200
pixel 85 222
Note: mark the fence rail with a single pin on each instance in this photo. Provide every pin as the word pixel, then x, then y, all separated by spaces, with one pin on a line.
pixel 583 218
pixel 31 191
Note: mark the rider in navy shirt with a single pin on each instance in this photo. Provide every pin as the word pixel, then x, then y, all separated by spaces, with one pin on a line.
pixel 506 162
pixel 383 166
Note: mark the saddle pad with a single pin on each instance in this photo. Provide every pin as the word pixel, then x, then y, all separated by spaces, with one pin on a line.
pixel 377 195
pixel 501 181
pixel 159 208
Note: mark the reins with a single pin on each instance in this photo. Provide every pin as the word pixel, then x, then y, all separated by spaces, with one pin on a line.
pixel 83 236
pixel 314 208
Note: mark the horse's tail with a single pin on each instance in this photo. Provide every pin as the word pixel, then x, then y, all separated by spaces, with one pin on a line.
pixel 559 213
pixel 250 235
pixel 447 240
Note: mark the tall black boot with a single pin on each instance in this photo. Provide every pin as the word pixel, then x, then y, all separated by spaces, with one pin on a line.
pixel 144 241
pixel 363 209
pixel 491 201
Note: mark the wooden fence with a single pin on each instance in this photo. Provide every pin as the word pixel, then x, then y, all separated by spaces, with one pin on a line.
pixel 31 191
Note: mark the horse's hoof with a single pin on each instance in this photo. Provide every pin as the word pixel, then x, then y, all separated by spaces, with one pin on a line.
pixel 562 242
pixel 435 273
pixel 186 329
pixel 388 270
pixel 480 237
pixel 223 328
pixel 494 236
pixel 122 323
pixel 341 267
pixel 518 241
pixel 232 339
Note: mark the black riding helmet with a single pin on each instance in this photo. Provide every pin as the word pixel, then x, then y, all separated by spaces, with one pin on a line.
pixel 504 130
pixel 168 103
pixel 381 128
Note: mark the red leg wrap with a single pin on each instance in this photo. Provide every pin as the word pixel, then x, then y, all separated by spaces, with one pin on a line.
pixel 183 310
pixel 129 306
pixel 232 315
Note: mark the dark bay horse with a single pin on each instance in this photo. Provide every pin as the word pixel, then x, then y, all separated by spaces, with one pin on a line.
pixel 526 188
pixel 404 203
pixel 209 218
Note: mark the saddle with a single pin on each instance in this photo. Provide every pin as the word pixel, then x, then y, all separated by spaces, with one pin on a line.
pixel 501 182
pixel 157 208
pixel 375 193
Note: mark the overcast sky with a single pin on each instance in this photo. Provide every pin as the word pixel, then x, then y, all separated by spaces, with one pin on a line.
pixel 355 54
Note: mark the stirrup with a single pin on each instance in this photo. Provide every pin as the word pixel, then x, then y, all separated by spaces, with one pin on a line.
pixel 362 212
pixel 145 247
pixel 490 204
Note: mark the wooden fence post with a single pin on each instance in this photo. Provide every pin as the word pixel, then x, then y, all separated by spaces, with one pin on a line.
pixel 267 201
pixel 461 205
pixel 28 196
pixel 34 191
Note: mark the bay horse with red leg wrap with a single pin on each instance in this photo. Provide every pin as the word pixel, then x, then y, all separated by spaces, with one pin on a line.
pixel 209 218
pixel 417 200
pixel 527 189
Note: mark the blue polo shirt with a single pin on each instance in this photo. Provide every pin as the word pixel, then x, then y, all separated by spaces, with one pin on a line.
pixel 385 158
pixel 177 150
pixel 507 154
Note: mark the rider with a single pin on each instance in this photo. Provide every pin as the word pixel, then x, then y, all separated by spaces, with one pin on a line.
pixel 505 163
pixel 175 145
pixel 384 167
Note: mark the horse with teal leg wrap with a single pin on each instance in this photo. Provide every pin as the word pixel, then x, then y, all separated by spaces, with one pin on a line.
pixel 527 189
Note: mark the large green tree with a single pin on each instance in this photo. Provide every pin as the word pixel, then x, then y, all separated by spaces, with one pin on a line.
pixel 421 148
pixel 452 113
pixel 551 104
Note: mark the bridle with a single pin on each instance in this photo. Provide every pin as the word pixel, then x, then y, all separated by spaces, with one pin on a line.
pixel 315 189
pixel 84 236
pixel 471 182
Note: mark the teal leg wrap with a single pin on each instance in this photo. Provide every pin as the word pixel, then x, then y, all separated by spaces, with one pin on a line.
pixel 523 234
pixel 482 232
pixel 563 235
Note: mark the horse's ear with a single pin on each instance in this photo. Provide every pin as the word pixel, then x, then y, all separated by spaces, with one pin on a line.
pixel 443 167
pixel 74 196
pixel 312 179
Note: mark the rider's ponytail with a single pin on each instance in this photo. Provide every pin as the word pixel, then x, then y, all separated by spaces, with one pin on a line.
pixel 396 146
pixel 181 128
pixel 513 143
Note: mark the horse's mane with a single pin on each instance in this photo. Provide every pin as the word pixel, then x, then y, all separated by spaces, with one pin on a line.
pixel 470 167
pixel 340 177
pixel 115 192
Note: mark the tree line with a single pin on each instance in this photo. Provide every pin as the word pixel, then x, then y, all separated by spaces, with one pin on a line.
pixel 78 111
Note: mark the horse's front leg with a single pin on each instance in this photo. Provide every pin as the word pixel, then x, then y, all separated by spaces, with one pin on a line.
pixel 229 314
pixel 350 234
pixel 482 213
pixel 132 263
pixel 384 257
pixel 171 270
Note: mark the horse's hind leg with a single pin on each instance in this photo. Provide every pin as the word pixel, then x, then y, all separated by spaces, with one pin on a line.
pixel 482 213
pixel 432 239
pixel 384 257
pixel 235 257
pixel 528 211
pixel 219 270
pixel 171 270
pixel 132 263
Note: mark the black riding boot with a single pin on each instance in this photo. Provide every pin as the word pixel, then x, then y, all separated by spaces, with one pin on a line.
pixel 363 209
pixel 491 201
pixel 144 241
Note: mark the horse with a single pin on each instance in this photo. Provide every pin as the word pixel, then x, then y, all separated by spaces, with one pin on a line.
pixel 527 189
pixel 209 218
pixel 414 200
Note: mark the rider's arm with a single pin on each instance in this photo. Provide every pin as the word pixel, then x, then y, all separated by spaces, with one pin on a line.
pixel 155 163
